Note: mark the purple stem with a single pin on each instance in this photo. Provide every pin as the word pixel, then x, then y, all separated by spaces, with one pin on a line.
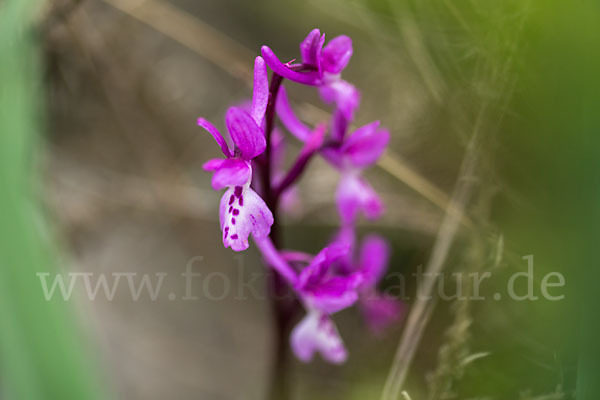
pixel 269 121
pixel 294 173
pixel 283 311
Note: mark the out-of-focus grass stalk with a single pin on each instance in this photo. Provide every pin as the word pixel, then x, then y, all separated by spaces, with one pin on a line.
pixel 42 355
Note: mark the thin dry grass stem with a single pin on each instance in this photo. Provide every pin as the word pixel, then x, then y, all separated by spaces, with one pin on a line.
pixel 235 59
pixel 425 303
pixel 192 33
pixel 455 355
pixel 395 166
pixel 118 92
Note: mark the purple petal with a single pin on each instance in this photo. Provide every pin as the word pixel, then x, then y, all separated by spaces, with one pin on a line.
pixel 325 292
pixel 260 94
pixel 243 212
pixel 314 273
pixel 336 54
pixel 366 144
pixel 315 140
pixel 288 117
pixel 215 134
pixel 339 125
pixel 343 94
pixel 333 155
pixel 381 312
pixel 310 49
pixel 307 78
pixel 346 236
pixel 334 294
pixel 231 172
pixel 354 194
pixel 373 259
pixel 245 133
pixel 317 333
pixel 213 164
pixel 372 204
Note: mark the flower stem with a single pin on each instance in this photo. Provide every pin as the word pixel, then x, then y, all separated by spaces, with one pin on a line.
pixel 266 176
pixel 294 173
pixel 283 311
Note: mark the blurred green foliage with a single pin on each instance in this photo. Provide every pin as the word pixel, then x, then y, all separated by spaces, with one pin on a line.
pixel 41 348
pixel 536 64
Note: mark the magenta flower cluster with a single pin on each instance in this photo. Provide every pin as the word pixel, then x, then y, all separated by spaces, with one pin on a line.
pixel 341 274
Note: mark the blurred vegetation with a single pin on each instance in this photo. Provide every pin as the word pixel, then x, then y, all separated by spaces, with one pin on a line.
pixel 41 348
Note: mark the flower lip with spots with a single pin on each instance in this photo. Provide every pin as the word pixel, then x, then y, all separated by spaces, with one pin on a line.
pixel 242 212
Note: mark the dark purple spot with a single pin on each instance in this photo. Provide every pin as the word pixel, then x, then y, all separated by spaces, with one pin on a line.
pixel 237 191
pixel 235 211
pixel 241 201
pixel 233 221
pixel 226 231
pixel 231 199
pixel 234 236
pixel 230 208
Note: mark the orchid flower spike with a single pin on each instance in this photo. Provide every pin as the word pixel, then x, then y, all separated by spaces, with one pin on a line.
pixel 333 279
pixel 241 210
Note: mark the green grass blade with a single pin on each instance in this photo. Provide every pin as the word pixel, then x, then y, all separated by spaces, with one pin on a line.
pixel 42 354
